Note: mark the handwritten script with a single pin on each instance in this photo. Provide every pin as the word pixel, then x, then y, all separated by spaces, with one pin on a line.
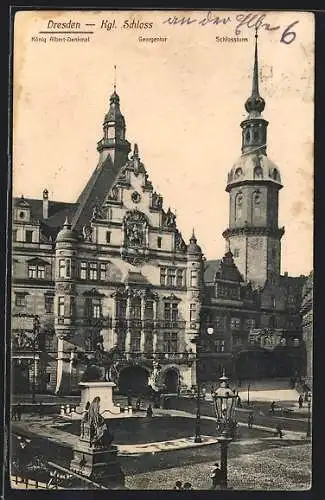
pixel 249 19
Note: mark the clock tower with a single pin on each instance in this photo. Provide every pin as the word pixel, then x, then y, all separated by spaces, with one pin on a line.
pixel 254 182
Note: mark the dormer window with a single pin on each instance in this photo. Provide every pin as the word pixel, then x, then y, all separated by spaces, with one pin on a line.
pixel 238 172
pixel 258 173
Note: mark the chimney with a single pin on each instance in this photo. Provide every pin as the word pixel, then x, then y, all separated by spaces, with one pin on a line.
pixel 45 204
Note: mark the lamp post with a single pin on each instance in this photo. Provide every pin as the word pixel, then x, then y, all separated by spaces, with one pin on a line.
pixel 225 403
pixel 197 438
pixel 308 433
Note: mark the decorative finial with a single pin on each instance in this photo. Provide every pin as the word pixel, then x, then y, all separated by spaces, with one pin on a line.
pixel 66 222
pixel 228 246
pixel 136 150
pixel 255 102
pixel 114 77
pixel 193 237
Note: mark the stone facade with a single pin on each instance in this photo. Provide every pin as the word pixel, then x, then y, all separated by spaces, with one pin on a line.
pixel 308 327
pixel 110 271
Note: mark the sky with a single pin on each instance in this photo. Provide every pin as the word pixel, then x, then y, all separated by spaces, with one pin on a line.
pixel 183 101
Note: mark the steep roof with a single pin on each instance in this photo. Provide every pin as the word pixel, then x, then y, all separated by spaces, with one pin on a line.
pixel 57 210
pixel 211 267
pixel 95 191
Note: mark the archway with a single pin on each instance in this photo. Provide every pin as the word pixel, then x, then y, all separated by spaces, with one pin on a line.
pixel 171 380
pixel 133 380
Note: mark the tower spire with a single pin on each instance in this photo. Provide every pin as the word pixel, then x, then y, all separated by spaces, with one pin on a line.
pixel 114 77
pixel 255 104
pixel 255 91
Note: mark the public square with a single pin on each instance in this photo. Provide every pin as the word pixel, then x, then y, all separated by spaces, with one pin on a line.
pixel 156 452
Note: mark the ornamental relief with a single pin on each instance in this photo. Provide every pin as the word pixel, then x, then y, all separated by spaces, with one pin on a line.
pixel 65 287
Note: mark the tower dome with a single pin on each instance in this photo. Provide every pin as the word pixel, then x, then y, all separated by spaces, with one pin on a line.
pixel 253 167
pixel 193 248
pixel 66 234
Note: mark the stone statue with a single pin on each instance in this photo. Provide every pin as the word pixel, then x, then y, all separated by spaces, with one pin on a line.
pixel 170 218
pixel 87 232
pixel 156 200
pixel 99 435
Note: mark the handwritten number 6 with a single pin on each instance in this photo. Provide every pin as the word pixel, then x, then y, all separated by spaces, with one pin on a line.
pixel 289 36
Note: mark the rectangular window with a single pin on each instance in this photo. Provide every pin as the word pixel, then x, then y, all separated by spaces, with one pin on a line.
pixel 93 271
pixel 170 342
pixel 179 277
pixel 96 310
pixel 171 277
pixel 250 323
pixel 61 268
pixel 61 307
pixel 235 323
pixel 67 268
pixel 159 240
pixel 32 271
pixel 167 311
pixel 108 236
pixel 29 236
pixel 135 312
pixel 48 303
pixel 220 345
pixel 193 281
pixel 163 276
pixel 192 312
pixel 20 299
pixel 148 312
pixel 83 270
pixel 102 271
pixel 273 302
pixel 41 272
pixel 174 312
pixel 72 307
pixel 135 342
pixel 14 235
pixel 236 252
pixel 220 322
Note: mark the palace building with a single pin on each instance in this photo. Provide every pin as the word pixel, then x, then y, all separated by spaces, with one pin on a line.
pixel 112 270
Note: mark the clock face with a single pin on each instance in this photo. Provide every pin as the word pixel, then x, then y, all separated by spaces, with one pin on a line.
pixel 135 196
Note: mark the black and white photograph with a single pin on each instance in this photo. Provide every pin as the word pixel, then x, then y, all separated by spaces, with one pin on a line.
pixel 161 317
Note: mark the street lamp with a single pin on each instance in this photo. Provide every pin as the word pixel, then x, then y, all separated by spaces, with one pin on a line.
pixel 308 433
pixel 197 438
pixel 225 403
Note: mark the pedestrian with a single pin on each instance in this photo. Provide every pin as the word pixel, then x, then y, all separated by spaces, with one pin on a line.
pixel 18 411
pixel 300 401
pixel 273 407
pixel 41 409
pixel 187 486
pixel 216 477
pixel 138 404
pixel 149 411
pixel 178 485
pixel 250 420
pixel 278 431
pixel 239 401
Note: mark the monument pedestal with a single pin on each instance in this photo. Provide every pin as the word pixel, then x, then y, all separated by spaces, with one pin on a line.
pixel 104 390
pixel 98 464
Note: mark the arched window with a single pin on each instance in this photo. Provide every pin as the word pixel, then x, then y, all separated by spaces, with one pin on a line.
pixel 238 172
pixel 255 135
pixel 238 206
pixel 256 204
pixel 247 136
pixel 258 174
pixel 275 174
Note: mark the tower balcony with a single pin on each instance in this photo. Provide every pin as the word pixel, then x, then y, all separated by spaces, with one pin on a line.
pixel 276 232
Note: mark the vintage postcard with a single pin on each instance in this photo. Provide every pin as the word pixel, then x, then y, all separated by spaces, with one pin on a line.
pixel 162 250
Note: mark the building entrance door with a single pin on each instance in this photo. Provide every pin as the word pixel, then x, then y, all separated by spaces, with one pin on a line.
pixel 171 380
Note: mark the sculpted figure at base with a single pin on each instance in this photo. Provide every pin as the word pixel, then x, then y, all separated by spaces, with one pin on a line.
pixel 99 435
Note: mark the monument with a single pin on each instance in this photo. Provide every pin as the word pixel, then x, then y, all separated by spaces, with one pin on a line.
pixel 94 456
